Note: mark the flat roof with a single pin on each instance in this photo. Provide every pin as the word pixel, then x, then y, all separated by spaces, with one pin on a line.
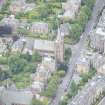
pixel 100 31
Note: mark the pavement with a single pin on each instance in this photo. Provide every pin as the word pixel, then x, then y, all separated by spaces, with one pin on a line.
pixel 76 49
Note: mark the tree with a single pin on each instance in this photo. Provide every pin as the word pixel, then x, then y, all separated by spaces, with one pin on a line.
pixel 84 78
pixel 64 101
pixel 61 73
pixel 4 8
pixel 36 102
pixel 36 57
pixel 73 88
pixel 82 19
pixel 52 86
pixel 68 53
pixel 91 73
pixel 16 64
pixel 3 60
pixel 90 3
pixel 76 31
pixel 26 56
pixel 86 10
pixel 30 68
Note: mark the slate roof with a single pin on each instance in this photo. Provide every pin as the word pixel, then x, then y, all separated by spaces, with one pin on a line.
pixel 29 42
pixel 36 44
pixel 44 45
pixel 9 97
pixel 102 102
pixel 89 92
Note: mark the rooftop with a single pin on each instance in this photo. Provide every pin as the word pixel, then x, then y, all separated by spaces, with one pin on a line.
pixel 100 31
pixel 19 97
pixel 102 102
pixel 36 44
pixel 44 45
pixel 86 96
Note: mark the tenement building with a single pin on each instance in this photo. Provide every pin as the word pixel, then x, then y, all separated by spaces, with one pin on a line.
pixel 97 39
pixel 97 36
pixel 71 9
pixel 90 92
pixel 97 60
pixel 102 102
pixel 101 22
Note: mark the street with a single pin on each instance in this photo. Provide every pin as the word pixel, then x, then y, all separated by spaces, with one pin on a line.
pixel 76 49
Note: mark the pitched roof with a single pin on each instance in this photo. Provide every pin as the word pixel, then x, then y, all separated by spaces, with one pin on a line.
pixel 89 92
pixel 17 97
pixel 19 43
pixel 36 44
pixel 102 102
pixel 44 45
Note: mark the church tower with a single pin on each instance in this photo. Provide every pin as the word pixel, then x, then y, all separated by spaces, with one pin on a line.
pixel 59 47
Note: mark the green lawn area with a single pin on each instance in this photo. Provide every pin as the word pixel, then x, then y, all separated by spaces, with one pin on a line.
pixel 22 80
pixel 19 69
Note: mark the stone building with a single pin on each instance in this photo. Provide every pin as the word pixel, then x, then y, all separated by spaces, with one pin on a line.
pixel 71 8
pixel 23 45
pixel 49 63
pixel 89 59
pixel 90 92
pixel 40 28
pixel 43 73
pixel 12 96
pixel 54 49
pixel 18 6
pixel 97 60
pixel 97 40
pixel 40 79
pixel 59 48
pixel 83 63
pixel 101 69
pixel 101 22
pixel 82 66
pixel 97 36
